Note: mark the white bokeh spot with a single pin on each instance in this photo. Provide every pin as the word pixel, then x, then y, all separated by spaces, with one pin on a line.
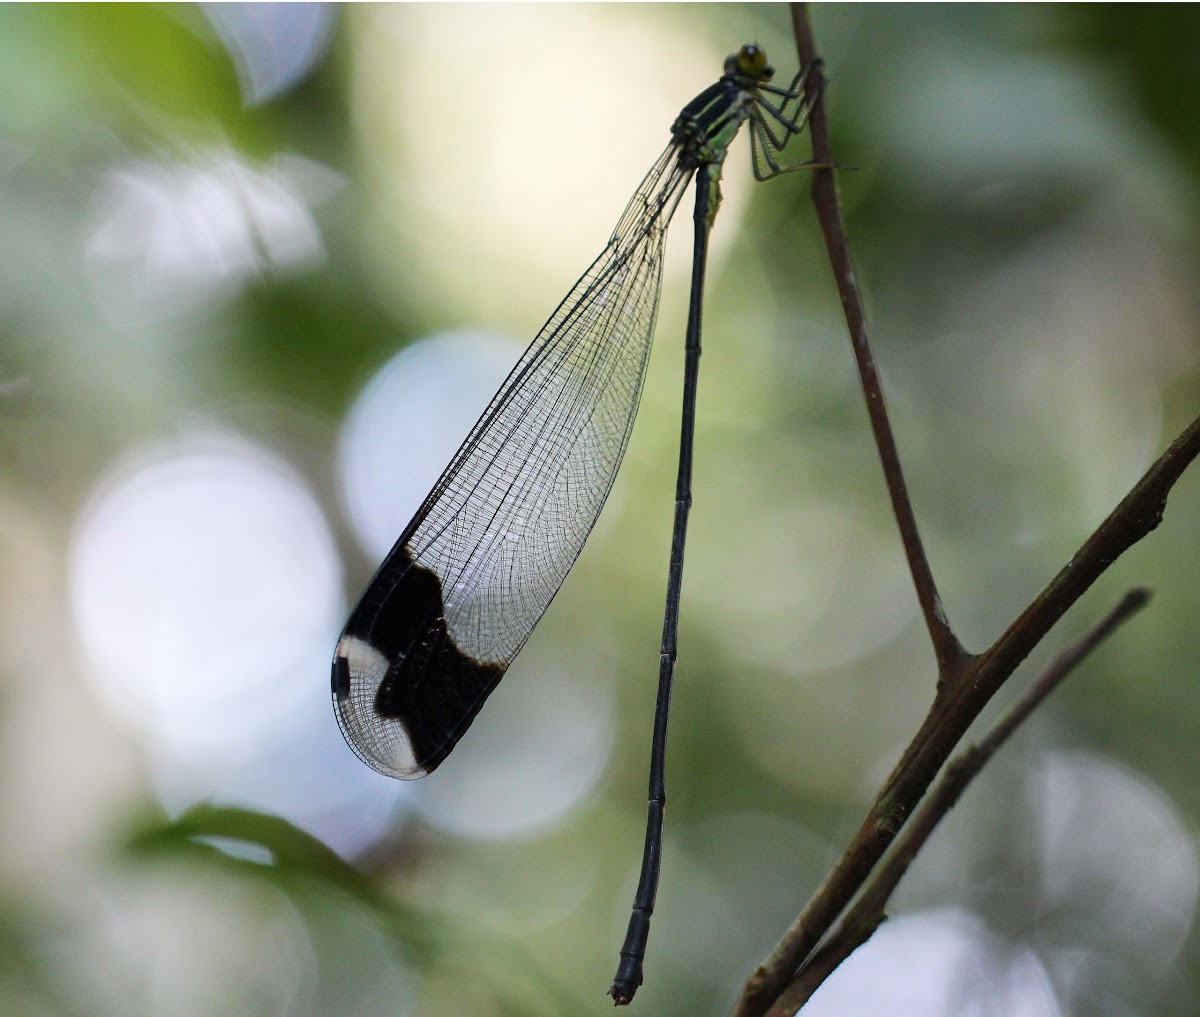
pixel 207 592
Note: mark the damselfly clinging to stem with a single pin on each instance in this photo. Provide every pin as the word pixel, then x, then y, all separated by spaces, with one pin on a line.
pixel 475 569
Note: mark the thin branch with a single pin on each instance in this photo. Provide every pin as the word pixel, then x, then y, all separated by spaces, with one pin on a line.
pixel 947 649
pixel 1138 513
pixel 867 913
pixel 966 683
pixel 950 716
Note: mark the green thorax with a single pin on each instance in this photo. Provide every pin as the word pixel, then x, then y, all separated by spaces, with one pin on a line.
pixel 707 125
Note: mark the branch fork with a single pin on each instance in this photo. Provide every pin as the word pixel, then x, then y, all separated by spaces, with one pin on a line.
pixel 850 903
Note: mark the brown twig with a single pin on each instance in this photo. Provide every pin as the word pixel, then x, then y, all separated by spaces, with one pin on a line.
pixel 949 652
pixel 950 716
pixel 965 683
pixel 867 913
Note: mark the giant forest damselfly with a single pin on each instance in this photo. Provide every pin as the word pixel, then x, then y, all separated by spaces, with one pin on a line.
pixel 476 568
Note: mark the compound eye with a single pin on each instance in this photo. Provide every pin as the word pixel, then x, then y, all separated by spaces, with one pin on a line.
pixel 752 60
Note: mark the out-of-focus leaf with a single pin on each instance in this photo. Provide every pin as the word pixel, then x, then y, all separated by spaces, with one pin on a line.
pixel 292 850
pixel 522 986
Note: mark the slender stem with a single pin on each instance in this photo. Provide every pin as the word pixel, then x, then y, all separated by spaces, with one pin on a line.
pixel 947 649
pixel 867 913
pixel 633 951
pixel 966 683
pixel 1138 514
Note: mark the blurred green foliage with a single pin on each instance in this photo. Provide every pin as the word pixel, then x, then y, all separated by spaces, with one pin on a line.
pixel 1026 224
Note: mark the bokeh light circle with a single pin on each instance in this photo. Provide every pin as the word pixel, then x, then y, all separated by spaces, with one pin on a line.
pixel 207 591
pixel 406 424
pixel 937 964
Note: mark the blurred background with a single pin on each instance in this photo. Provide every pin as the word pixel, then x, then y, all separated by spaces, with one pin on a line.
pixel 262 266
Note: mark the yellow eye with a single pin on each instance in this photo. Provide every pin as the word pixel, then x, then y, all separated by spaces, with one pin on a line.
pixel 752 60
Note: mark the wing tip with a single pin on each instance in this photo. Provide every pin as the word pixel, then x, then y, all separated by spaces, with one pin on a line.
pixel 357 663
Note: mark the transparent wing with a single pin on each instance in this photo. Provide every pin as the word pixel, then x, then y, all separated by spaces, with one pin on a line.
pixel 478 565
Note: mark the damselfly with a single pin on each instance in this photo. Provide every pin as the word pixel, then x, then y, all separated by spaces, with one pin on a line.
pixel 475 569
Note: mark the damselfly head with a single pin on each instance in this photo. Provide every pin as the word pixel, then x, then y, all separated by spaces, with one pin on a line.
pixel 750 62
